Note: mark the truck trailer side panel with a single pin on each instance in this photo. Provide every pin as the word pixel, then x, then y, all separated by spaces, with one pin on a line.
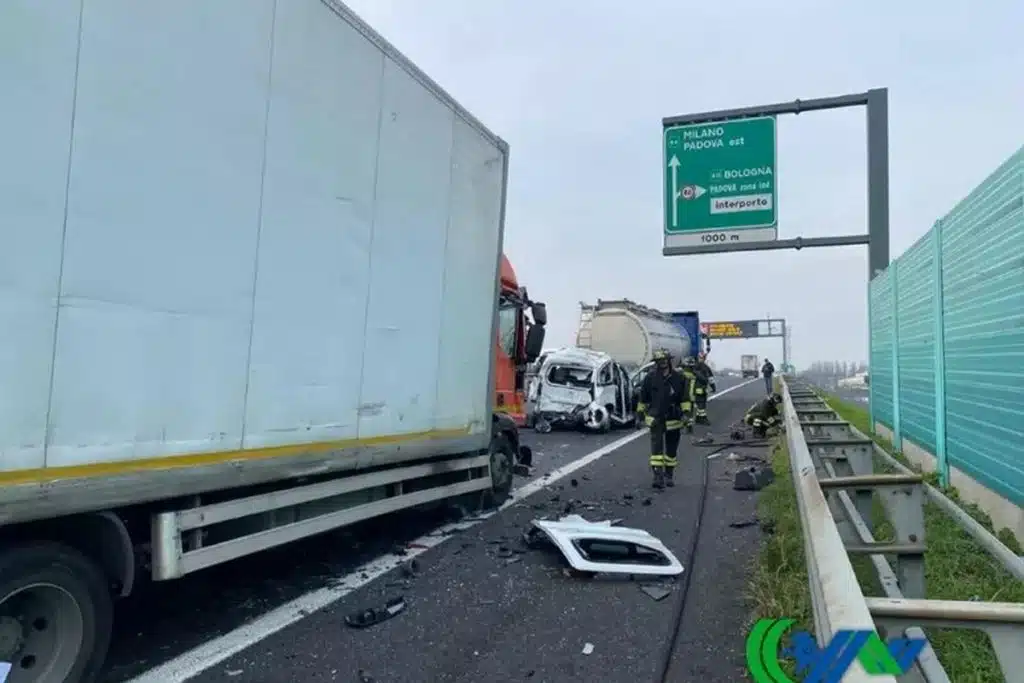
pixel 37 70
pixel 279 255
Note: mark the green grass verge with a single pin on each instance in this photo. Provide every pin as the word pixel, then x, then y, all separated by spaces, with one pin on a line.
pixel 779 584
pixel 956 567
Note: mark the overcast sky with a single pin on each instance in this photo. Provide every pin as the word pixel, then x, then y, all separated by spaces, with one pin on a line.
pixel 579 88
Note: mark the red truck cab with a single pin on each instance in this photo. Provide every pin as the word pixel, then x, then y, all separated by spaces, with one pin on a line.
pixel 519 343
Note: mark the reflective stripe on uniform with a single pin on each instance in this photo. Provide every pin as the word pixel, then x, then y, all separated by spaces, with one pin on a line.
pixel 687 406
pixel 698 390
pixel 669 424
pixel 669 461
pixel 758 422
pixel 657 461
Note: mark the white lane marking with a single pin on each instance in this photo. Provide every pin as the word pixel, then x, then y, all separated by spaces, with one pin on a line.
pixel 197 660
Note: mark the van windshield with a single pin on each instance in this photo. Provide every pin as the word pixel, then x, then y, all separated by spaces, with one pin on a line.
pixel 571 376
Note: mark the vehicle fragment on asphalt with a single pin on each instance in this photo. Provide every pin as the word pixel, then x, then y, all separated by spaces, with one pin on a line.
pixel 603 547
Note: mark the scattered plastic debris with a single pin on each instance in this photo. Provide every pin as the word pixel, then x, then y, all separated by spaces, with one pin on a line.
pixel 656 592
pixel 588 648
pixel 753 478
pixel 602 547
pixel 375 615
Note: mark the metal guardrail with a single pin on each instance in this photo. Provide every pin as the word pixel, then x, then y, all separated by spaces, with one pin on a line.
pixel 833 473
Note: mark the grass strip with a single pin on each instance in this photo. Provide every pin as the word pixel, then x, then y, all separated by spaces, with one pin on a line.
pixel 956 567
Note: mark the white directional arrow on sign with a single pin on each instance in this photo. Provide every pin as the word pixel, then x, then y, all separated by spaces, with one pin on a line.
pixel 698 191
pixel 673 164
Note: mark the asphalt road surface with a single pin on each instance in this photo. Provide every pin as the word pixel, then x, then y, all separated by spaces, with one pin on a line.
pixel 479 606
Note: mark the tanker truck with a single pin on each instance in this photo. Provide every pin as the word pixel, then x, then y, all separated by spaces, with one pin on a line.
pixel 244 309
pixel 630 333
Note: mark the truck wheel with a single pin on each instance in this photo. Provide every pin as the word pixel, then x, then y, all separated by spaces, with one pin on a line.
pixel 56 614
pixel 503 457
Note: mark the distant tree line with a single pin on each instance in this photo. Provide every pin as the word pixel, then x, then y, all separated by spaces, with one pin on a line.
pixel 828 372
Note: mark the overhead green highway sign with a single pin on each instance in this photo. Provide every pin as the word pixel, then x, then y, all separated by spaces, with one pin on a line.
pixel 720 182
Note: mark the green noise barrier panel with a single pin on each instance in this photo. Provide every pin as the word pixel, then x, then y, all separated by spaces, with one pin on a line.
pixel 947 337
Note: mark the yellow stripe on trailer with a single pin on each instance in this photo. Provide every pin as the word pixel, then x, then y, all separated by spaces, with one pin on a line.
pixel 172 462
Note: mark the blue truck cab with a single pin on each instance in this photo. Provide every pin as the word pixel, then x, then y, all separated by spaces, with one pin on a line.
pixel 689 321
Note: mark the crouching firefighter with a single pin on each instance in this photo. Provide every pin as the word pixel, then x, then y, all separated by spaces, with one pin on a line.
pixel 764 415
pixel 703 377
pixel 663 394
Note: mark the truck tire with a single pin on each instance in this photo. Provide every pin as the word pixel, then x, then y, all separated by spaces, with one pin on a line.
pixel 503 458
pixel 56 614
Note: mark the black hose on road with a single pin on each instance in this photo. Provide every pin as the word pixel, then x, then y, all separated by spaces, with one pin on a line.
pixel 677 623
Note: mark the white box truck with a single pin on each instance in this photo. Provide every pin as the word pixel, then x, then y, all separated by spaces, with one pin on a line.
pixel 248 276
pixel 749 366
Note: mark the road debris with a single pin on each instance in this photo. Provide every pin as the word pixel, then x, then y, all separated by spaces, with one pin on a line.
pixel 753 478
pixel 656 591
pixel 743 524
pixel 602 547
pixel 375 615
pixel 588 648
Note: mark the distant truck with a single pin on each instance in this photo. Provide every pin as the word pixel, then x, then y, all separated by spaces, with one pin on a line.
pixel 226 330
pixel 749 366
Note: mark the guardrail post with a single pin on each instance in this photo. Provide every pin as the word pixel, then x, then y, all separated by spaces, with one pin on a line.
pixel 905 506
pixel 862 464
pixel 941 464
pixel 897 430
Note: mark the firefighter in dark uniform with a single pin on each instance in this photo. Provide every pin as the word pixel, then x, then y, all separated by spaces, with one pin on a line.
pixel 690 375
pixel 704 375
pixel 662 397
pixel 764 415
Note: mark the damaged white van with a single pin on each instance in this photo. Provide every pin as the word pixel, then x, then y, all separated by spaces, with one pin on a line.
pixel 580 388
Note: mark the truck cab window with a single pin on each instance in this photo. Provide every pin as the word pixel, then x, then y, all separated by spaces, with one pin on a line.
pixel 508 313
